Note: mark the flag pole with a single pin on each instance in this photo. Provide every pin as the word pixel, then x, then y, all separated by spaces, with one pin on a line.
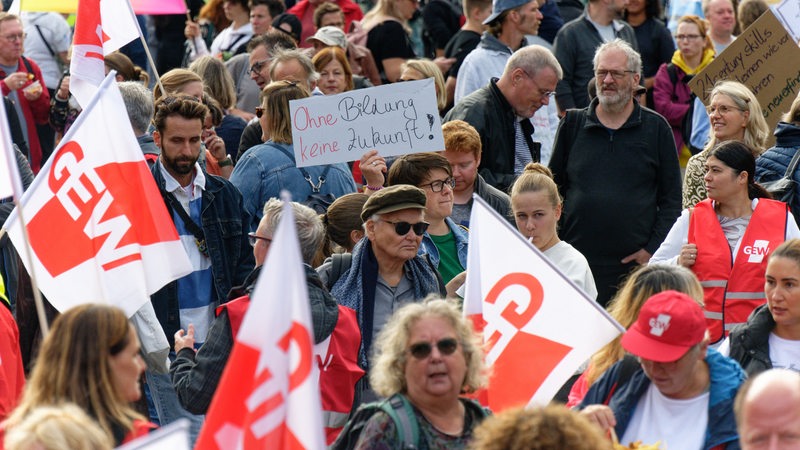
pixel 146 48
pixel 37 296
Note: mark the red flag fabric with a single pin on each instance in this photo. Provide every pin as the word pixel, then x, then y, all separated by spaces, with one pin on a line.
pixel 98 227
pixel 101 27
pixel 268 397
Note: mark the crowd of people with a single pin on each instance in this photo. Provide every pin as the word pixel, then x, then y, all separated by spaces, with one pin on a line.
pixel 573 122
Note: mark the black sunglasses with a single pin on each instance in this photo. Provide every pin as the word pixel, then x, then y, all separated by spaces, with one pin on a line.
pixel 422 350
pixel 401 228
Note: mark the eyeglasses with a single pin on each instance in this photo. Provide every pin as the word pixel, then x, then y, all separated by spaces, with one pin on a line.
pixel 254 238
pixel 688 37
pixel 422 350
pixel 402 228
pixel 721 109
pixel 542 92
pixel 256 68
pixel 615 74
pixel 15 37
pixel 259 111
pixel 438 185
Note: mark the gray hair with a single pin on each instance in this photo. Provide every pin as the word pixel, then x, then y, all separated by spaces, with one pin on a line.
pixel 634 58
pixel 139 105
pixel 532 59
pixel 387 375
pixel 302 58
pixel 310 230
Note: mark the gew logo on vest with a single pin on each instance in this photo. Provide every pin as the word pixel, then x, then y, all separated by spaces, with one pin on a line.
pixel 757 251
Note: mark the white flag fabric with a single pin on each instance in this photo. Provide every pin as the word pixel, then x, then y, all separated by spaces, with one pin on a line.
pixel 539 327
pixel 10 183
pixel 98 227
pixel 101 27
pixel 268 397
pixel 173 436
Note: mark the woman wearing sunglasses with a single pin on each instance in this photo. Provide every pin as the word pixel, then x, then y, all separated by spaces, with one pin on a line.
pixel 424 358
pixel 384 272
pixel 444 242
pixel 536 204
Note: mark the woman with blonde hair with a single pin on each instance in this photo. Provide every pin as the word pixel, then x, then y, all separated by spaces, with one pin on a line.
pixel 735 114
pixel 92 358
pixel 182 81
pixel 672 97
pixel 420 69
pixel 61 427
pixel 624 308
pixel 537 206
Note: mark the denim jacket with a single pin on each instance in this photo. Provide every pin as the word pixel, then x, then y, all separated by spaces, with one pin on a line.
pixel 264 171
pixel 461 236
pixel 225 225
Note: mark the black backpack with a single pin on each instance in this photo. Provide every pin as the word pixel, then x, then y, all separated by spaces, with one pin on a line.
pixel 686 123
pixel 402 414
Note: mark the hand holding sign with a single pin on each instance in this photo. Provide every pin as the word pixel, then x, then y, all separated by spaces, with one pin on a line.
pixel 395 120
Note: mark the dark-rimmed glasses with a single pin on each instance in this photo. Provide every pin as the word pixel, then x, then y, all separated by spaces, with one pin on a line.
pixel 438 185
pixel 254 238
pixel 422 350
pixel 402 228
pixel 615 74
pixel 257 66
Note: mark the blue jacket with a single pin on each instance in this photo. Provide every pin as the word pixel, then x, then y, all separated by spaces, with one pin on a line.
pixel 264 171
pixel 772 164
pixel 726 377
pixel 225 225
pixel 461 236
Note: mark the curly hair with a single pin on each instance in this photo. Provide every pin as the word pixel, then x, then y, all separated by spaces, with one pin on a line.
pixel 553 427
pixel 387 375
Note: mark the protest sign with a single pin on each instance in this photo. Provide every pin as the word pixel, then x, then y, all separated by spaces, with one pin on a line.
pixel 762 58
pixel 394 119
pixel 788 12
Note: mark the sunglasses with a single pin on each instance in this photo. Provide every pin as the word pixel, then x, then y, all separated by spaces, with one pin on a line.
pixel 402 228
pixel 422 350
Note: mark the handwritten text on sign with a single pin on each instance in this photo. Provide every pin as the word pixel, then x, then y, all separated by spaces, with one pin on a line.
pixel 763 59
pixel 394 119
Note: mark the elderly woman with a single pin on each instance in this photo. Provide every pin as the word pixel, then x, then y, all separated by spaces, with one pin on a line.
pixel 734 114
pixel 425 357
pixel 385 272
pixel 92 358
pixel 444 242
pixel 727 238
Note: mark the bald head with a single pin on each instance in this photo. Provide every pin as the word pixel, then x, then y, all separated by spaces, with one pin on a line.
pixel 768 411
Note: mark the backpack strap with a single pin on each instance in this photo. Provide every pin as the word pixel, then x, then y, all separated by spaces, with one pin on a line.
pixel 315 188
pixel 628 366
pixel 340 263
pixel 402 414
pixel 673 74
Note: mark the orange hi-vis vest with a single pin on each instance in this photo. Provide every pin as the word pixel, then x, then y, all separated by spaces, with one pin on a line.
pixel 336 358
pixel 733 288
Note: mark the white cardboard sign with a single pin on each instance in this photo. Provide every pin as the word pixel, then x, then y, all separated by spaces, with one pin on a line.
pixel 394 119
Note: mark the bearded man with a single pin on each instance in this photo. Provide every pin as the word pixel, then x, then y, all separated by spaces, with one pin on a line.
pixel 617 173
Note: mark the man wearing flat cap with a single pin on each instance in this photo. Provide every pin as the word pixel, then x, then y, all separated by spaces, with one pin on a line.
pixel 676 391
pixel 385 272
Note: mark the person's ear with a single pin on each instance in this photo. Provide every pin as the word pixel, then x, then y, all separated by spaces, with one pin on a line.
pixel 356 235
pixel 157 138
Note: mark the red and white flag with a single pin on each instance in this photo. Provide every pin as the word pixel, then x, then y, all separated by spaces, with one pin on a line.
pixel 268 397
pixel 101 27
pixel 10 183
pixel 98 227
pixel 538 326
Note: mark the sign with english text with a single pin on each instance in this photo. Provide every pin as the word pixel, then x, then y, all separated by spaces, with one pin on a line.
pixel 394 119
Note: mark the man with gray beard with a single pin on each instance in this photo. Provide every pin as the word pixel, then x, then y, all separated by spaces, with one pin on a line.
pixel 615 164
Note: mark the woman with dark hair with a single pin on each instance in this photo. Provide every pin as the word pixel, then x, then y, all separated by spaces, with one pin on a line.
pixel 726 238
pixel 671 94
pixel 655 43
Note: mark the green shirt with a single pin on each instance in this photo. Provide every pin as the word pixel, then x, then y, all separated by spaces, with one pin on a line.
pixel 449 266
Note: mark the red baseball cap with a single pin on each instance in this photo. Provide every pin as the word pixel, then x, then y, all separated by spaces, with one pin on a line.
pixel 669 324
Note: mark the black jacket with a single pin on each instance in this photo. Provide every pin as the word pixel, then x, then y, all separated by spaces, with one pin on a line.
pixel 750 341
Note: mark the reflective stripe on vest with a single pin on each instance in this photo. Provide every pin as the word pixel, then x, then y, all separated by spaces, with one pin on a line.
pixel 729 326
pixel 742 276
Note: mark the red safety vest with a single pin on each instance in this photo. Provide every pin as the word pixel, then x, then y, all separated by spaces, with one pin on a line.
pixel 337 361
pixel 733 288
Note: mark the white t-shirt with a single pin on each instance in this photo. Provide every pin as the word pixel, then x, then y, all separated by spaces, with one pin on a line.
pixel 574 265
pixel 677 424
pixel 784 353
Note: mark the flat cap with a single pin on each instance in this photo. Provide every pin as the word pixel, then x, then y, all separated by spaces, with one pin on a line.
pixel 393 198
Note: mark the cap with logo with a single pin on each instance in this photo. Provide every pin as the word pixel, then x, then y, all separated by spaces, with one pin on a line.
pixel 393 198
pixel 669 324
pixel 330 36
pixel 500 6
